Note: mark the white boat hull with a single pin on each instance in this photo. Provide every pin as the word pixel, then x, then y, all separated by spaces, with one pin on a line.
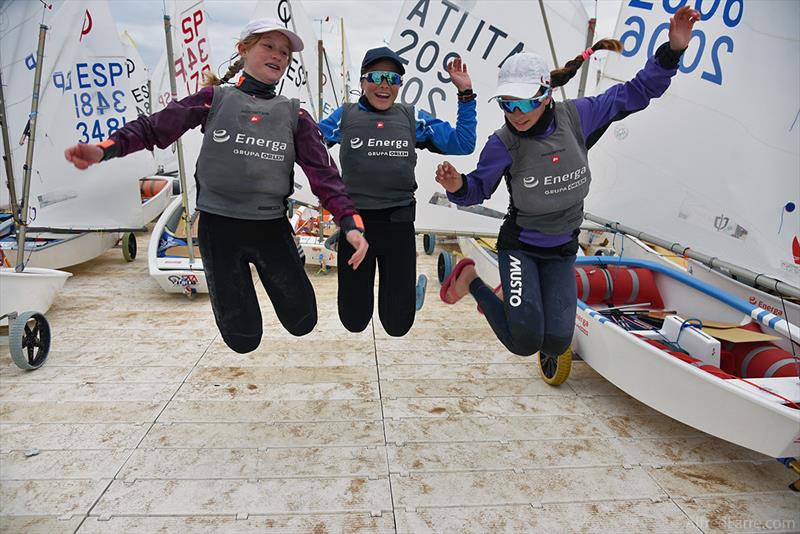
pixel 727 408
pixel 174 274
pixel 34 289
pixel 64 251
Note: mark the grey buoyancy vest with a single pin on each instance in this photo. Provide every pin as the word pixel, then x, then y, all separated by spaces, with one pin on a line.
pixel 549 177
pixel 245 167
pixel 378 155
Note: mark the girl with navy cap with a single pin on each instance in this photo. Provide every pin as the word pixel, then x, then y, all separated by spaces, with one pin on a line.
pixel 542 153
pixel 252 138
pixel 379 138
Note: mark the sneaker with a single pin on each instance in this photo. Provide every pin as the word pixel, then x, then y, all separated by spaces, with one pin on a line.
pixel 422 285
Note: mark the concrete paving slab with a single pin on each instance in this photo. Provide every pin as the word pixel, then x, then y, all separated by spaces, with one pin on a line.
pixel 266 496
pixel 72 436
pixel 469 372
pixel 273 392
pixel 52 497
pixel 491 406
pixel 718 479
pixel 62 465
pixel 573 518
pixel 255 435
pixel 284 375
pixel 83 375
pixel 355 523
pixel 237 411
pixel 40 524
pixel 321 462
pixel 771 512
pixel 87 392
pixel 557 485
pixel 487 387
pixel 79 412
pixel 288 359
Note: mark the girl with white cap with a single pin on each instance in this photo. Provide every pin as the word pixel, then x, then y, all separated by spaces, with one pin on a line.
pixel 252 138
pixel 542 153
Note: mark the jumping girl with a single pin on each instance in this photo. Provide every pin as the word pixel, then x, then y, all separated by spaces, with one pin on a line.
pixel 379 138
pixel 538 240
pixel 241 193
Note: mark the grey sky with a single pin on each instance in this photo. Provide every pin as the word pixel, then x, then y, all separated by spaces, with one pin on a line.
pixel 367 22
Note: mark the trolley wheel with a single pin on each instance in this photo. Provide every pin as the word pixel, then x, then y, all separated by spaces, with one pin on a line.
pixel 555 370
pixel 129 246
pixel 429 243
pixel 29 340
pixel 444 265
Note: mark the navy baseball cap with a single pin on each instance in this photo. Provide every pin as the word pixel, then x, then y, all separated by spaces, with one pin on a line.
pixel 376 54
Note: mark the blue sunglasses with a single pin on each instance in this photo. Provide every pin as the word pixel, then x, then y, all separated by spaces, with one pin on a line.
pixel 376 77
pixel 524 105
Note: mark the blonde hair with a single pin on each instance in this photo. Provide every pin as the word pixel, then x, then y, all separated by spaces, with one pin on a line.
pixel 209 78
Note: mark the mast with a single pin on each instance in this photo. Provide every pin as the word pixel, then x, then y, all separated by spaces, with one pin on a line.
pixel 12 192
pixel 550 40
pixel 585 68
pixel 173 86
pixel 26 175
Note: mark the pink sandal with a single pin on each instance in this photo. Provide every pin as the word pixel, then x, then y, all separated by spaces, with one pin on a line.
pixel 448 282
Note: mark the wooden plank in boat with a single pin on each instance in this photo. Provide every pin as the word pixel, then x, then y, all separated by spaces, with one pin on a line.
pixel 180 231
pixel 181 251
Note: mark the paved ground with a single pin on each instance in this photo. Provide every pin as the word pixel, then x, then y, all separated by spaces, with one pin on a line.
pixel 146 422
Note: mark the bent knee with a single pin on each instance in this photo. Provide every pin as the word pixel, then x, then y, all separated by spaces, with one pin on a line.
pixel 555 345
pixel 242 343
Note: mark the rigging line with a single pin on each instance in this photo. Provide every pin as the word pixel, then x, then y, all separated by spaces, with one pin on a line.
pixel 795 120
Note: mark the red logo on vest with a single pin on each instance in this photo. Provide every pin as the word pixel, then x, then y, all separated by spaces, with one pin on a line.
pixel 380 124
pixel 556 158
pixel 255 118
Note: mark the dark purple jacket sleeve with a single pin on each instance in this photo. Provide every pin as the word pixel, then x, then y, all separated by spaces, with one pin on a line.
pixel 617 102
pixel 323 175
pixel 481 183
pixel 163 128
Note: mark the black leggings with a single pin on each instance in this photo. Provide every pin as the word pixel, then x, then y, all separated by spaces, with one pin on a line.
pixel 393 246
pixel 228 247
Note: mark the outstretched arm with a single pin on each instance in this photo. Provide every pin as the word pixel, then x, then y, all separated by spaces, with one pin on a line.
pixel 160 130
pixel 439 136
pixel 598 112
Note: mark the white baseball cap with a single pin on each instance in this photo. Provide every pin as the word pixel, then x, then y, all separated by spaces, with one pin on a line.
pixel 522 75
pixel 267 24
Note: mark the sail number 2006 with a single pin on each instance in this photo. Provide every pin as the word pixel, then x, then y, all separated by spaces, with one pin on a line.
pixel 731 12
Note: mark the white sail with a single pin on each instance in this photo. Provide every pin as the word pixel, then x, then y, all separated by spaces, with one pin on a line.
pixel 484 33
pixel 138 75
pixel 192 54
pixel 715 162
pixel 84 97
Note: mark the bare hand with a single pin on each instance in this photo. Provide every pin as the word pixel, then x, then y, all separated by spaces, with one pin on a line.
pixel 680 27
pixel 359 242
pixel 83 155
pixel 449 177
pixel 458 74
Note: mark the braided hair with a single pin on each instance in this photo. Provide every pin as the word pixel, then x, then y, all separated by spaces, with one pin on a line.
pixel 559 77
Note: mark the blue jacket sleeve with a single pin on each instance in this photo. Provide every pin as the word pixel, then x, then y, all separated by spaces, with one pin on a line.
pixel 329 126
pixel 481 183
pixel 598 112
pixel 438 136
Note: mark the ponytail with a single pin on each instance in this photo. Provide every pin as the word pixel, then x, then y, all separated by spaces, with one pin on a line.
pixel 209 78
pixel 561 76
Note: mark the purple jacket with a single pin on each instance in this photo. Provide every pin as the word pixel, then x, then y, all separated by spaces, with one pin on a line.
pixel 596 113
pixel 165 127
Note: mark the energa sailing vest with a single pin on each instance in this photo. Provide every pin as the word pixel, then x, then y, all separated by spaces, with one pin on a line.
pixel 245 167
pixel 378 155
pixel 549 177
